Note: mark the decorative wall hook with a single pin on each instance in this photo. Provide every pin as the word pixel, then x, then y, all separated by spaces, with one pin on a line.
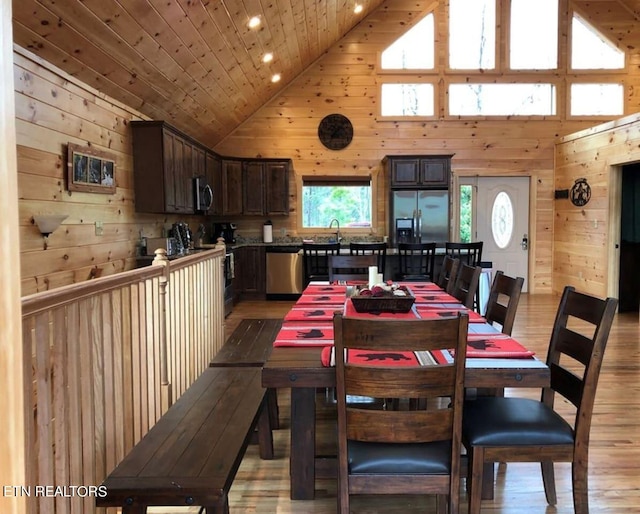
pixel 580 192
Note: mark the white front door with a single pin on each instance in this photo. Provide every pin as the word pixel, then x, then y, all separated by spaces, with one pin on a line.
pixel 500 213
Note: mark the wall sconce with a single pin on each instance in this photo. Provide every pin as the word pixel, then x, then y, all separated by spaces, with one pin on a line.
pixel 48 223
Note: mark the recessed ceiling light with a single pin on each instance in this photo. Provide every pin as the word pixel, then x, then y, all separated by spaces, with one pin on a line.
pixel 275 78
pixel 358 8
pixel 254 22
pixel 268 57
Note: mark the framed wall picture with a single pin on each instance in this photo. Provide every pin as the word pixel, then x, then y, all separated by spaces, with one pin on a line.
pixel 90 170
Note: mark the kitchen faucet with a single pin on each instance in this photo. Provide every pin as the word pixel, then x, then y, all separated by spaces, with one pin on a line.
pixel 338 238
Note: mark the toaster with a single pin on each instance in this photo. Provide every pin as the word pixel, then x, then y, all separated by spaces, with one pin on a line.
pixel 168 243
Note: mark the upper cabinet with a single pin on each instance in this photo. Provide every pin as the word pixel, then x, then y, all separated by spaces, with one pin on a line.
pixel 164 162
pixel 266 187
pixel 231 186
pixel 213 172
pixel 420 171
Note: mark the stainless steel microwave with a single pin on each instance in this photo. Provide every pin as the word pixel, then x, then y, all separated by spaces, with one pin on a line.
pixel 203 195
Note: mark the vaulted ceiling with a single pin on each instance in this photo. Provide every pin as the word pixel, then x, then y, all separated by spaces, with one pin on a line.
pixel 196 63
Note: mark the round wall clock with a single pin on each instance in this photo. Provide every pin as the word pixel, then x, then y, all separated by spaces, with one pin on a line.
pixel 335 131
pixel 580 192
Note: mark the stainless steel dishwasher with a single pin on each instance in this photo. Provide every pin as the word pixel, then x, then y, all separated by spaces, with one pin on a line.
pixel 284 272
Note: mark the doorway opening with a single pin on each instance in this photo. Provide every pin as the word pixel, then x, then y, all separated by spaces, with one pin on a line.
pixel 629 275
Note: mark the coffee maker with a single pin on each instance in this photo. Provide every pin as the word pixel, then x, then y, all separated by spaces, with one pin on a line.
pixel 225 230
pixel 404 230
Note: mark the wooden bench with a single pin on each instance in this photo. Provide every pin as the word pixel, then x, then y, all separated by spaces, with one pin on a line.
pixel 250 344
pixel 192 454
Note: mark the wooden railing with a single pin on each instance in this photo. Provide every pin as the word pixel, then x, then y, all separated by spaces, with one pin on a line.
pixel 108 357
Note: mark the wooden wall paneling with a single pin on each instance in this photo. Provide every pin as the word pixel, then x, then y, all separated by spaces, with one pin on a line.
pixel 104 123
pixel 15 369
pixel 53 110
pixel 582 251
pixel 14 380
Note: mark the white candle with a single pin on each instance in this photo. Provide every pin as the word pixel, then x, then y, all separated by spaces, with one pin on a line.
pixel 373 275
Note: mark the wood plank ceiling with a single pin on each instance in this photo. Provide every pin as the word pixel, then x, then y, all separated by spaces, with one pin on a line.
pixel 196 64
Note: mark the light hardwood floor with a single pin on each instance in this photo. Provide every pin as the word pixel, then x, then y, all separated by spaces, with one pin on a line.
pixel 614 463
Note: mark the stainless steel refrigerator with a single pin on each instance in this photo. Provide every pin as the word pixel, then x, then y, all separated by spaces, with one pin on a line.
pixel 429 210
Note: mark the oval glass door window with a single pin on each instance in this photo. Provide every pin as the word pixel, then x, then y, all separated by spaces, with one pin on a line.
pixel 502 220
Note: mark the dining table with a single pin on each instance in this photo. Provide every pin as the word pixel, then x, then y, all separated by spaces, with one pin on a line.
pixel 299 361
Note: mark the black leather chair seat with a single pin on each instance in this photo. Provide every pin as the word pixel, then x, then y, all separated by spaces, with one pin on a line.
pixel 499 421
pixel 409 458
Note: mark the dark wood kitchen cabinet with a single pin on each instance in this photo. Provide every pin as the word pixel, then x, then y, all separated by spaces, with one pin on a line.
pixel 250 271
pixel 213 172
pixel 231 187
pixel 164 162
pixel 420 171
pixel 266 187
pixel 276 178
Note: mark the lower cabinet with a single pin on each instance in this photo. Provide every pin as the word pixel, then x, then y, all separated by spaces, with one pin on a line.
pixel 250 272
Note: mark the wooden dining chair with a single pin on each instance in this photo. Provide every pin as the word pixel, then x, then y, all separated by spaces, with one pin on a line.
pixel 503 429
pixel 421 454
pixel 466 285
pixel 448 273
pixel 468 253
pixel 378 249
pixel 502 304
pixel 316 260
pixel 350 267
pixel 416 261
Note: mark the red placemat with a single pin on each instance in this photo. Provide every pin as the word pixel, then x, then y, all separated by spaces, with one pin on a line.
pixel 379 358
pixel 417 287
pixel 435 297
pixel 321 299
pixel 310 334
pixel 324 289
pixel 430 311
pixel 494 347
pixel 350 310
pixel 310 313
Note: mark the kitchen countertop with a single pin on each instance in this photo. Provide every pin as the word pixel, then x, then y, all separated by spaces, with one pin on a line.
pixel 344 249
pixel 148 259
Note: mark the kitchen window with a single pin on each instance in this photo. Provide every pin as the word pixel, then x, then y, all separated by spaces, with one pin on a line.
pixel 347 199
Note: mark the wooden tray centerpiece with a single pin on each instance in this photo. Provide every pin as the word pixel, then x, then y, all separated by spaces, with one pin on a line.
pixel 383 298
